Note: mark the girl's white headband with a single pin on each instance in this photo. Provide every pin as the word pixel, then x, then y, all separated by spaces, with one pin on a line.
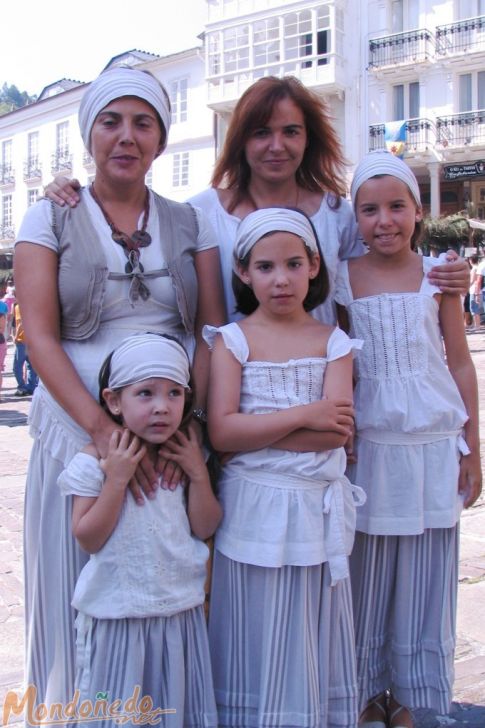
pixel 144 356
pixel 382 162
pixel 271 220
pixel 114 84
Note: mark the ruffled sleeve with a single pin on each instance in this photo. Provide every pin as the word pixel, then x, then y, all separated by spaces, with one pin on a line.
pixel 339 344
pixel 233 338
pixel 83 476
pixel 343 291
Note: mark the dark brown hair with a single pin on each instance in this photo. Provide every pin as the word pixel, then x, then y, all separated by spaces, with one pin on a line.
pixel 322 166
pixel 103 383
pixel 318 287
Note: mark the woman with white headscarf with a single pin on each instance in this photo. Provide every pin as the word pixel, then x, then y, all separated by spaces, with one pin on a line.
pixel 86 281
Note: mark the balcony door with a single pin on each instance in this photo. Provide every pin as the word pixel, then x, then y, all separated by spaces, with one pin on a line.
pixel 404 15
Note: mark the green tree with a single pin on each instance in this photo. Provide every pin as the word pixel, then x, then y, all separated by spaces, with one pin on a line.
pixel 11 98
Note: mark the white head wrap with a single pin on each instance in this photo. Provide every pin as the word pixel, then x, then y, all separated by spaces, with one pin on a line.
pixel 114 84
pixel 144 356
pixel 271 220
pixel 382 162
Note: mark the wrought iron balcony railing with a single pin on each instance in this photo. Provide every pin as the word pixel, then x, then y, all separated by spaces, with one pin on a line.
pixel 32 169
pixel 7 174
pixel 461 130
pixel 61 160
pixel 465 36
pixel 414 46
pixel 420 135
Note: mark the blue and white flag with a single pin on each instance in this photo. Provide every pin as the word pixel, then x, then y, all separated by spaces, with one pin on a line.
pixel 395 137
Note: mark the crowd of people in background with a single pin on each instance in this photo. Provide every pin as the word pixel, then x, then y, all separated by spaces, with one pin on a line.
pixel 11 329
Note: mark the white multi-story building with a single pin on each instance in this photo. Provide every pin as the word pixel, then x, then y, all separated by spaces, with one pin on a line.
pixel 411 69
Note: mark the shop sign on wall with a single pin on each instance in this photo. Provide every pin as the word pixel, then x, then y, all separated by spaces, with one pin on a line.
pixel 462 171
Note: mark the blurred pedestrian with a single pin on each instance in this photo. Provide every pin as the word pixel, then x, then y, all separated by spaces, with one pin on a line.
pixel 23 370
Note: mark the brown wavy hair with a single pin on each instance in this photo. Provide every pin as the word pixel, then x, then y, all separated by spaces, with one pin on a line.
pixel 322 166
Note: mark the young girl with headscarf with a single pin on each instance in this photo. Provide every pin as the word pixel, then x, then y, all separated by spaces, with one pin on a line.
pixel 141 630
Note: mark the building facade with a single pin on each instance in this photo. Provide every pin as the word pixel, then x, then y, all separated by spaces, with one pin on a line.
pixel 408 75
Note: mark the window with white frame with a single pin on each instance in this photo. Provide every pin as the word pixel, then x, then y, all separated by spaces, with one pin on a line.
pixel 33 148
pixel 236 48
pixel 404 15
pixel 6 211
pixel 178 100
pixel 303 37
pixel 405 101
pixel 214 54
pixel 32 196
pixel 62 139
pixel 470 8
pixel 291 39
pixel 471 91
pixel 7 155
pixel 180 173
pixel 266 42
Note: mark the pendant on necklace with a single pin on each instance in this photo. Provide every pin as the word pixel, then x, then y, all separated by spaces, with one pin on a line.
pixel 141 238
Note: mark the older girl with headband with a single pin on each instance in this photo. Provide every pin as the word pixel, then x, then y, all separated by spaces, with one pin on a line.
pixel 417 452
pixel 85 281
pixel 141 624
pixel 280 397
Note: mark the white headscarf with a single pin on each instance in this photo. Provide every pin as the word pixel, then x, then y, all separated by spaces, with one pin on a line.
pixel 271 220
pixel 144 356
pixel 114 84
pixel 382 162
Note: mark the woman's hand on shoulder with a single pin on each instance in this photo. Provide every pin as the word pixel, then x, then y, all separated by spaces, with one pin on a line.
pixel 63 191
pixel 125 451
pixel 184 450
pixel 452 277
pixel 470 480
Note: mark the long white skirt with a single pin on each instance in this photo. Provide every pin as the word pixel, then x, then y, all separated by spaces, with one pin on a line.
pixel 405 592
pixel 282 646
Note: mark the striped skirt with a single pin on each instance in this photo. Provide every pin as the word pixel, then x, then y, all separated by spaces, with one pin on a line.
pixel 405 593
pixel 154 671
pixel 282 646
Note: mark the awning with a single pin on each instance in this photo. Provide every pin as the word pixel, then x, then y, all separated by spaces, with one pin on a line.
pixel 477 224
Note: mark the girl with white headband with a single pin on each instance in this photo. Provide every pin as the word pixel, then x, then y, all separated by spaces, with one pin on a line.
pixel 124 260
pixel 417 452
pixel 141 627
pixel 280 397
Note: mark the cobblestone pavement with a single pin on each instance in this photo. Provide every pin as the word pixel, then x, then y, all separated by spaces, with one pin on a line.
pixel 468 710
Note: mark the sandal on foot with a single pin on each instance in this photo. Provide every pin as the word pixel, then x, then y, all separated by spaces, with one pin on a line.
pixel 374 703
pixel 399 725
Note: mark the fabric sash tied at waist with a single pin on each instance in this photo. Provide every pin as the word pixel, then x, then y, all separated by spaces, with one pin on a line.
pixel 387 437
pixel 338 523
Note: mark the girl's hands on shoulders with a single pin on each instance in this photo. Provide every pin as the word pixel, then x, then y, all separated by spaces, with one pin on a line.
pixel 63 191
